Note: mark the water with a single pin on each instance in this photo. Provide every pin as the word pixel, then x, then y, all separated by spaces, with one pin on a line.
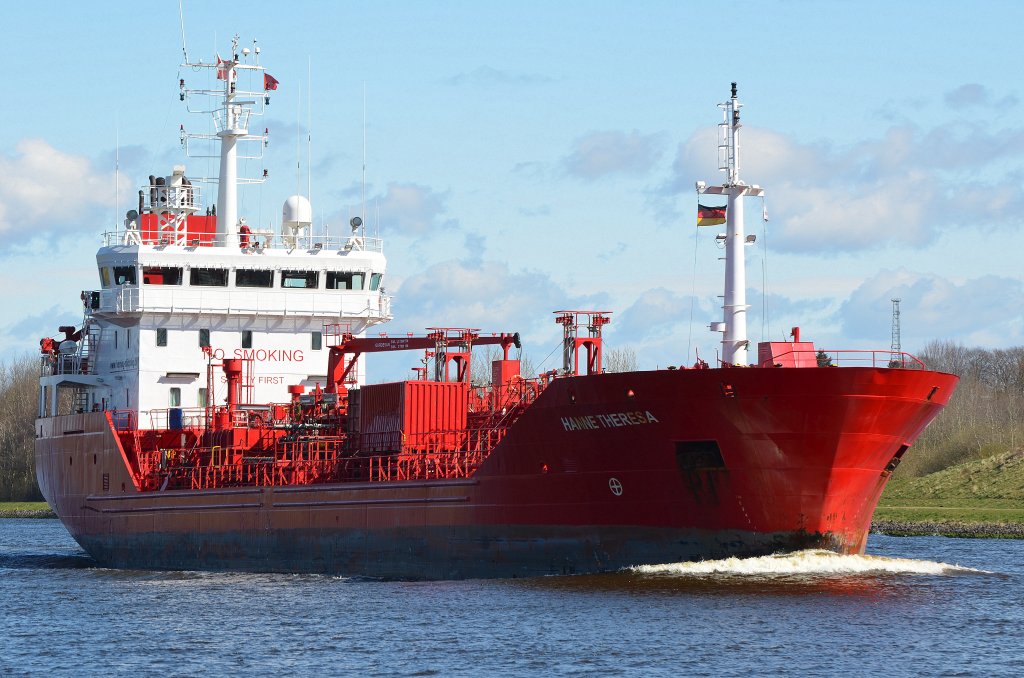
pixel 920 606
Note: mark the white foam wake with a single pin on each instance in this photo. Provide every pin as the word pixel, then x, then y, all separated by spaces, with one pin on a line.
pixel 810 562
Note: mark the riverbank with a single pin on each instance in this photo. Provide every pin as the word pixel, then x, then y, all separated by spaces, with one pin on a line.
pixel 25 509
pixel 965 530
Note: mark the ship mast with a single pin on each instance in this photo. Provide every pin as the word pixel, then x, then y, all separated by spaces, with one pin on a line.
pixel 231 121
pixel 734 325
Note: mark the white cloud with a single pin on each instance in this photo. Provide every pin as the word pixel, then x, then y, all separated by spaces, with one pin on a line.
pixel 486 294
pixel 601 154
pixel 46 191
pixel 906 187
pixel 412 209
pixel 971 94
pixel 983 310
pixel 487 75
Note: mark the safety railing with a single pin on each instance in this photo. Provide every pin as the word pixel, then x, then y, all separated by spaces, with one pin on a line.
pixel 180 299
pixel 257 240
pixel 851 358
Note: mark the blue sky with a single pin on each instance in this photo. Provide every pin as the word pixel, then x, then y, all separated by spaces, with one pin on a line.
pixel 531 156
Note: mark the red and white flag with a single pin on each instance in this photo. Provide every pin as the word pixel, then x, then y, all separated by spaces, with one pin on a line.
pixel 222 69
pixel 269 82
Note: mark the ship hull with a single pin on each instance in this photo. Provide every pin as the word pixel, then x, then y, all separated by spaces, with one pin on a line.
pixel 601 472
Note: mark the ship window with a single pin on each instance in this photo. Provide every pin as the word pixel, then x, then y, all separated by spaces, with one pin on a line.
pixel 204 338
pixel 317 341
pixel 175 400
pixel 299 279
pixel 208 277
pixel 161 275
pixel 249 278
pixel 201 398
pixel 246 338
pixel 338 280
pixel 115 338
pixel 104 276
pixel 124 275
pixel 375 279
pixel 161 336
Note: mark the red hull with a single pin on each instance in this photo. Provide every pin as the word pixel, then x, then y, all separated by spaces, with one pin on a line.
pixel 600 472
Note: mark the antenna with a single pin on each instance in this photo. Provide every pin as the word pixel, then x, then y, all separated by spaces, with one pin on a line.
pixel 362 190
pixel 181 18
pixel 298 142
pixel 895 350
pixel 117 162
pixel 309 136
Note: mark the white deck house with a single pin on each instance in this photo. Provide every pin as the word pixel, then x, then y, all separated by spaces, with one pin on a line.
pixel 184 286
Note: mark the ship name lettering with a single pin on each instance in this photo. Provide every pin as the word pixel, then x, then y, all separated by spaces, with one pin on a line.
pixel 591 422
pixel 129 364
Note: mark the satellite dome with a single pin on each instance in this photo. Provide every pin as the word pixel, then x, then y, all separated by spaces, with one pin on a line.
pixel 296 212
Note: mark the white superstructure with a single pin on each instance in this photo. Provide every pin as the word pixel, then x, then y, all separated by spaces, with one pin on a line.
pixel 184 286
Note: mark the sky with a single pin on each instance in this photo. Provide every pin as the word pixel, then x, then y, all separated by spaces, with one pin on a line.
pixel 528 157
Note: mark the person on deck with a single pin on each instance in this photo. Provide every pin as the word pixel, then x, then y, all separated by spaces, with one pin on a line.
pixel 243 233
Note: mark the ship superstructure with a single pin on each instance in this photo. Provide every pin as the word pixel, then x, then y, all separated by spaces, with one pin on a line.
pixel 186 282
pixel 212 413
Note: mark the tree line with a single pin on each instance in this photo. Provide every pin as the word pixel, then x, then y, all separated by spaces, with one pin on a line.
pixel 19 388
pixel 985 416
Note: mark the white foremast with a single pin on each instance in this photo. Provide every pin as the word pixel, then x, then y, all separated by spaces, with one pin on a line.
pixel 734 325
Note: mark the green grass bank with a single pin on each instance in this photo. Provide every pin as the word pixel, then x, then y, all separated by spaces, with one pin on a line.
pixel 25 509
pixel 980 498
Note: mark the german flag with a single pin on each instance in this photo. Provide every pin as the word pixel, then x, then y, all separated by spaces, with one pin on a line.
pixel 710 216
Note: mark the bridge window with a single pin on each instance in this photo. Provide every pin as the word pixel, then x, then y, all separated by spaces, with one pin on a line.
pixel 375 279
pixel 161 275
pixel 208 277
pixel 299 279
pixel 317 341
pixel 124 275
pixel 246 338
pixel 161 336
pixel 104 276
pixel 344 280
pixel 250 278
pixel 204 338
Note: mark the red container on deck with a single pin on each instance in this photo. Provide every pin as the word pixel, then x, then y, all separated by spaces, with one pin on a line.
pixel 786 354
pixel 412 416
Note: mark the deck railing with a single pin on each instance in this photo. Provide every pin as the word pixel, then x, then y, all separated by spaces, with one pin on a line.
pixel 852 358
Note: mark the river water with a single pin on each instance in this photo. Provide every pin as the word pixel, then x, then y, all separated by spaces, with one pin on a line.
pixel 912 606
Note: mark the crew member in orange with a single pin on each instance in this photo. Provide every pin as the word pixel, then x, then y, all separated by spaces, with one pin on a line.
pixel 243 233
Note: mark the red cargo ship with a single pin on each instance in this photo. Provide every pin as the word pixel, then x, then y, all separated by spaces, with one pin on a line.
pixel 188 424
